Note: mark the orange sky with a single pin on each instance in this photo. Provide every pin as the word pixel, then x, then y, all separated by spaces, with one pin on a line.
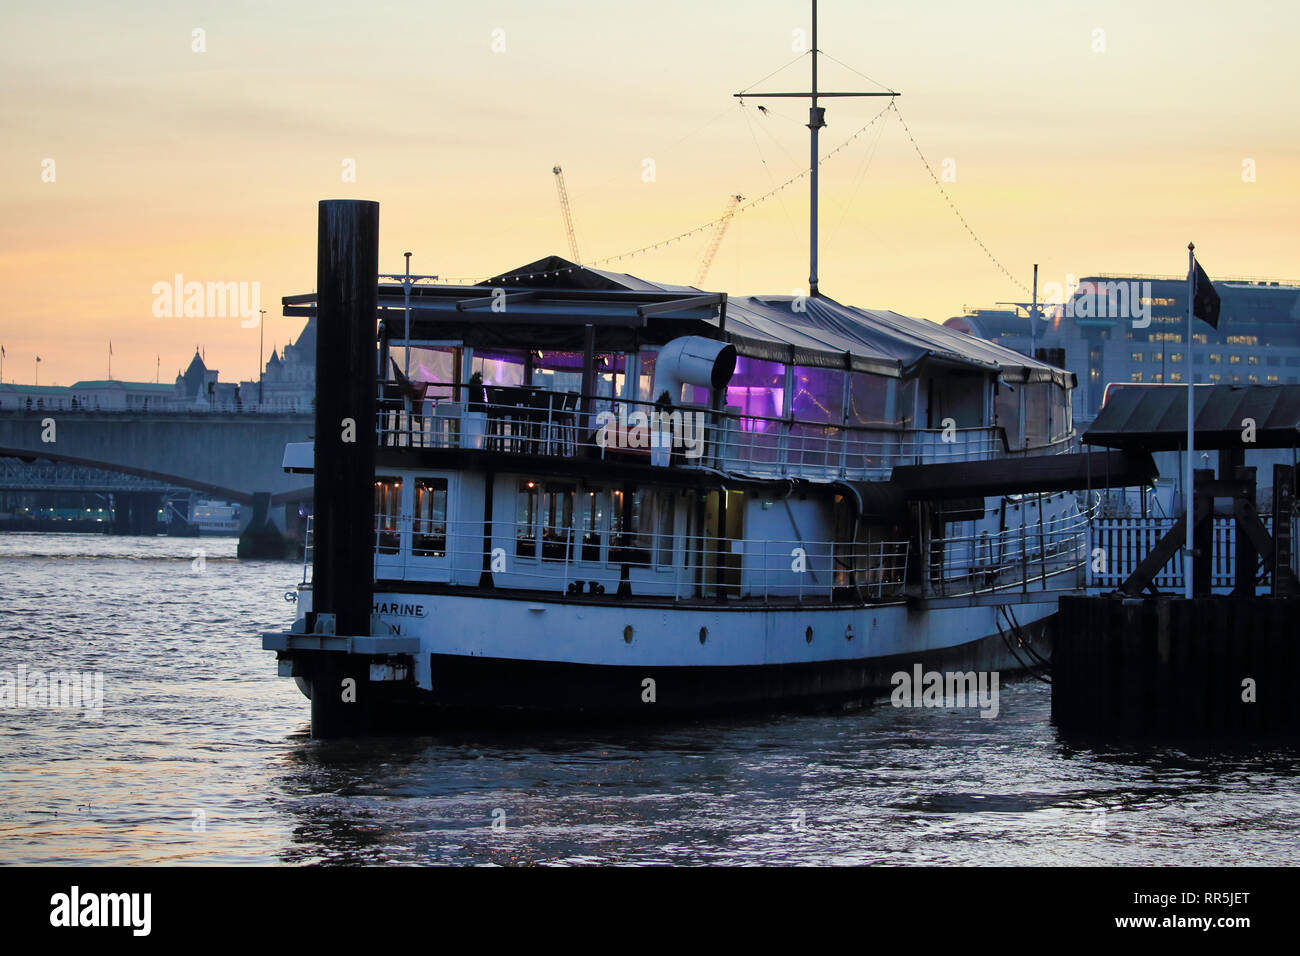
pixel 210 164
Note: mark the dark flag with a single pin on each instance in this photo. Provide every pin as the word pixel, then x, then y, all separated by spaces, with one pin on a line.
pixel 1205 301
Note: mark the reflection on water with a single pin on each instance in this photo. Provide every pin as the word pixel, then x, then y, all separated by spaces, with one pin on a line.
pixel 202 756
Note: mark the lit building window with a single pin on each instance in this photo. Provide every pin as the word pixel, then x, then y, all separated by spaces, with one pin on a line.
pixel 1135 377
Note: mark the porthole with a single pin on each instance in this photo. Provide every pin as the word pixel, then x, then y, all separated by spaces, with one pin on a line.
pixel 627 634
pixel 704 634
pixel 807 635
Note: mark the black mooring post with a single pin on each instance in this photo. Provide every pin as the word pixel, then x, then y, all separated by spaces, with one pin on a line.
pixel 347 283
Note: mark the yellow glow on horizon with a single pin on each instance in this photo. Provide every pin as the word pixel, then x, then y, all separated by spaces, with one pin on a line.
pixel 210 164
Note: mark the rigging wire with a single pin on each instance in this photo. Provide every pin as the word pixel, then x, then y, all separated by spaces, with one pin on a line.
pixel 771 178
pixel 953 206
pixel 689 232
pixel 778 70
pixel 858 72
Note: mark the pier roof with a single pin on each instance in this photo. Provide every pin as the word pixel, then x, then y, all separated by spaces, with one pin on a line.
pixel 1154 417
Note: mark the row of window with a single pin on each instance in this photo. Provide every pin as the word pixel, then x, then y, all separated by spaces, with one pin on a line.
pixel 1158 378
pixel 555 521
pixel 429 524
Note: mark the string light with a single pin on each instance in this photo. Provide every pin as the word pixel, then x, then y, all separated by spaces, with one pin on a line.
pixel 951 205
pixel 474 280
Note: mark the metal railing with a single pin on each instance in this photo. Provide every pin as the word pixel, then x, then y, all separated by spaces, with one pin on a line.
pixel 1040 555
pixel 553 424
pixel 569 560
pixel 1122 543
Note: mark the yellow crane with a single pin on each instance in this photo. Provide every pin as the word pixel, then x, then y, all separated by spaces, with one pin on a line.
pixel 727 215
pixel 568 213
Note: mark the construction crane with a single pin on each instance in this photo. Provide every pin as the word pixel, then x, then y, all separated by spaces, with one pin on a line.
pixel 727 215
pixel 568 213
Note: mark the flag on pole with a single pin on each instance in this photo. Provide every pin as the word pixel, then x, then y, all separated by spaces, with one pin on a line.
pixel 1205 301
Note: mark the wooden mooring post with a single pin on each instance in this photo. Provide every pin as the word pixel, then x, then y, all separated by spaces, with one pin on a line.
pixel 1172 667
pixel 1157 665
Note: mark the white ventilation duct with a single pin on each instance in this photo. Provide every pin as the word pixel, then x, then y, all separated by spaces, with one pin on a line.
pixel 692 360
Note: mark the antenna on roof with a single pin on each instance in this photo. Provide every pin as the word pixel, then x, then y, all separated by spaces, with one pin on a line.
pixel 1035 312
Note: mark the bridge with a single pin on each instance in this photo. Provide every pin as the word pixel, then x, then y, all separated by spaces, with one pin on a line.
pixel 57 476
pixel 235 457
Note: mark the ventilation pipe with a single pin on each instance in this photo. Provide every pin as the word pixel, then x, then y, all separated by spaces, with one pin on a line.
pixel 692 360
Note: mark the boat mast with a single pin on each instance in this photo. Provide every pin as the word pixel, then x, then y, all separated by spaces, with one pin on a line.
pixel 816 120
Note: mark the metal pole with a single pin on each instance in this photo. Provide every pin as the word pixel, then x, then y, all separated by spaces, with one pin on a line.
pixel 815 122
pixel 1033 318
pixel 1191 422
pixel 406 293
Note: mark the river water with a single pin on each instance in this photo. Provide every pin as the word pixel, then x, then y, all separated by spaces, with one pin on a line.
pixel 201 756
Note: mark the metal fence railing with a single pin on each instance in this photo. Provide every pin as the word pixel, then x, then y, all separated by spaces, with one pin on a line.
pixel 534 421
pixel 1028 555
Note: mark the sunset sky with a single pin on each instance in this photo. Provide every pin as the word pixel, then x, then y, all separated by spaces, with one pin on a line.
pixel 210 164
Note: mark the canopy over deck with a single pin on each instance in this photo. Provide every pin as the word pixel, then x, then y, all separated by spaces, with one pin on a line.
pixel 814 331
pixel 1154 417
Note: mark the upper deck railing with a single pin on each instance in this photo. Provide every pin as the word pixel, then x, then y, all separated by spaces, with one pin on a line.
pixel 530 421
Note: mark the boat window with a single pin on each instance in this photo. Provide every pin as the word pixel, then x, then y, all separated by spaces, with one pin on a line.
pixel 557 371
pixel 610 378
pixel 867 396
pixel 526 520
pixel 1038 410
pixel 818 395
pixel 646 376
pixel 500 366
pixel 665 507
pixel 1006 407
pixel 758 389
pixel 629 541
pixel 429 538
pixel 436 364
pixel 591 517
pixel 388 510
pixel 557 520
